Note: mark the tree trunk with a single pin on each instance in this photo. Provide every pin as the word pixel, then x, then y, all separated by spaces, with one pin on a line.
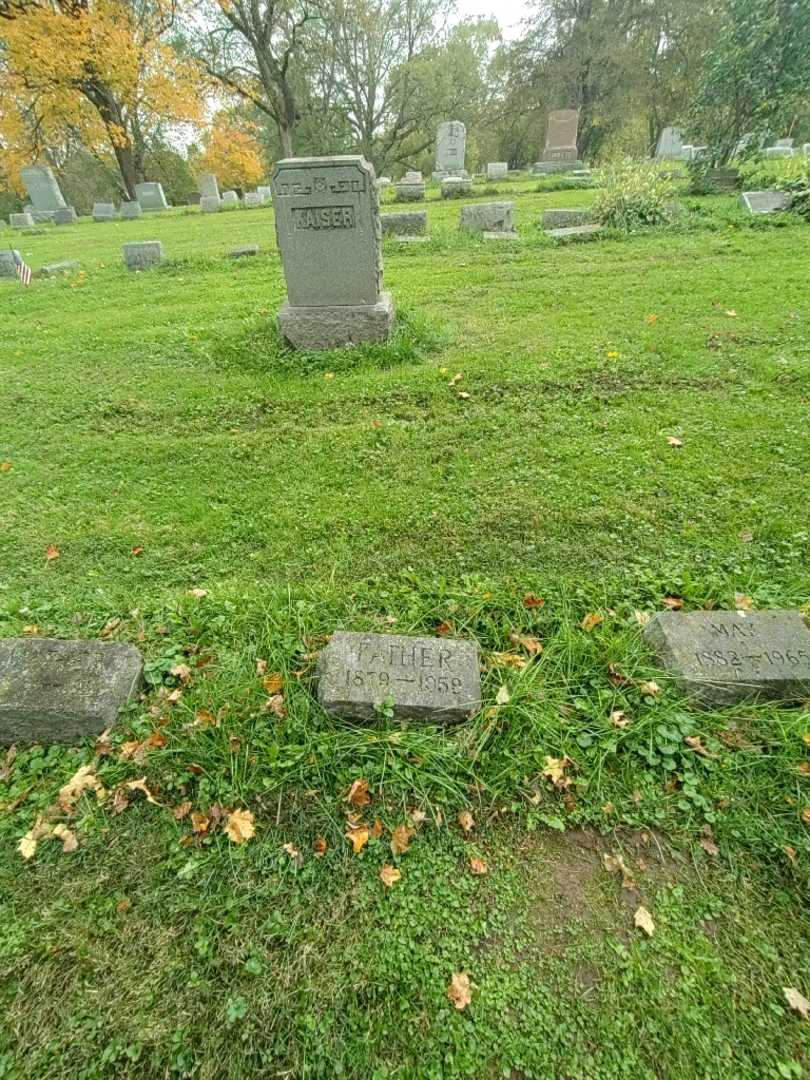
pixel 110 112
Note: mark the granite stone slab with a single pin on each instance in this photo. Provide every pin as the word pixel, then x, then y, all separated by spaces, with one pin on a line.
pixel 565 218
pixel 410 191
pixel 42 187
pixel 573 231
pixel 329 327
pixel 244 251
pixel 209 188
pixel 150 196
pixel 435 680
pixel 451 145
pixel 456 187
pixel 764 202
pixel 130 211
pixel 497 170
pixel 9 259
pixel 56 268
pixel 21 221
pixel 66 216
pixel 63 691
pixel 404 223
pixel 487 217
pixel 719 658
pixel 142 254
pixel 104 211
pixel 210 204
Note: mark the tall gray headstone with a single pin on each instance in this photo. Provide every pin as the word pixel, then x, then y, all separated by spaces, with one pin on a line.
pixel 42 188
pixel 209 188
pixel 722 657
pixel 63 691
pixel 561 135
pixel 670 144
pixel 150 196
pixel 451 146
pixel 364 676
pixel 330 239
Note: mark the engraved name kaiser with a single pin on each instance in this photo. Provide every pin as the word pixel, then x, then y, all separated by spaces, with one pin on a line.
pixel 323 217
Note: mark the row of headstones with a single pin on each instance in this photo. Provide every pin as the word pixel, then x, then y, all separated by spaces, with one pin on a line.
pixel 65 691
pixel 671 146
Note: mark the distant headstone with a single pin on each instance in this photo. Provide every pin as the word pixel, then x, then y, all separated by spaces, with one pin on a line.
pixel 487 217
pixel 55 269
pixel 406 223
pixel 784 143
pixel 9 260
pixel 63 691
pixel 719 658
pixel 456 187
pixel 670 144
pixel 412 176
pixel 42 188
pixel 39 216
pixel 130 210
pixel 150 196
pixel 65 216
pixel 21 221
pixel 209 188
pixel 266 193
pixel 778 151
pixel 436 680
pixel 104 211
pixel 722 179
pixel 573 231
pixel 410 190
pixel 451 143
pixel 697 153
pixel 565 218
pixel 210 204
pixel 497 170
pixel 561 135
pixel 330 238
pixel 229 200
pixel 244 252
pixel 143 254
pixel 764 202
pixel 252 200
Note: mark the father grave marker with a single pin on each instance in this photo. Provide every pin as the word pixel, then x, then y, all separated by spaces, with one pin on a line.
pixel 430 679
pixel 330 238
pixel 719 658
pixel 63 691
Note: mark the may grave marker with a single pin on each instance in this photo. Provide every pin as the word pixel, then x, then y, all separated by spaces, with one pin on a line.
pixel 722 657
pixel 430 679
pixel 330 238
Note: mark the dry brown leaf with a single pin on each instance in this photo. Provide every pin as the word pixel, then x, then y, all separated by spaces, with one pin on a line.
pixel 198 594
pixel 746 536
pixel 532 601
pixel 376 830
pixel 357 837
pixel 456 378
pixel 418 816
pixel 261 667
pixel 673 441
pixel 123 905
pixel 200 822
pixel 743 602
pixel 140 785
pixel 358 794
pixel 182 810
pixel 478 867
pixel 619 718
pixel 239 826
pixel 709 846
pixel 642 617
pixel 444 628
pixel 459 990
pixel 532 645
pixel 510 659
pixel 5 466
pixel 273 682
pixel 694 742
pixel 466 821
pixel 615 864
pixel 205 718
pixel 31 629
pixel 401 839
pixel 644 921
pixel 502 697
pixel 181 672
pixel 798 1002
pixel 649 688
pixel 82 780
pixel 674 603
pixel 806 815
pixel 617 677
pixel 804 768
pixel 554 770
pixel 294 853
pixel 5 772
pixel 68 838
pixel 174 696
pixel 591 621
pixel 389 875
pixel 790 852
pixel 51 552
pixel 319 846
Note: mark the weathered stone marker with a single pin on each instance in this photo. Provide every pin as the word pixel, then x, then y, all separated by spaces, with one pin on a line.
pixel 430 679
pixel 722 657
pixel 330 238
pixel 487 217
pixel 150 196
pixel 230 200
pixel 764 202
pixel 565 218
pixel 104 211
pixel 497 170
pixel 66 216
pixel 670 144
pixel 451 146
pixel 131 210
pixel 560 153
pixel 209 188
pixel 54 269
pixel 405 223
pixel 252 200
pixel 142 254
pixel 456 187
pixel 9 260
pixel 63 691
pixel 210 204
pixel 21 221
pixel 43 189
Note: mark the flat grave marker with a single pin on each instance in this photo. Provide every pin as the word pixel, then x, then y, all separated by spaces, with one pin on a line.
pixel 764 202
pixel 419 678
pixel 719 658
pixel 63 691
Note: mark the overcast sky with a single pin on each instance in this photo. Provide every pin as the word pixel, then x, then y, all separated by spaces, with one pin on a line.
pixel 507 12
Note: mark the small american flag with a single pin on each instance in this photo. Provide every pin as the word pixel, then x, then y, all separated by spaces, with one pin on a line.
pixel 23 269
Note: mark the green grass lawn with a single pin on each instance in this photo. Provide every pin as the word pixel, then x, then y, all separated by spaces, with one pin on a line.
pixel 158 434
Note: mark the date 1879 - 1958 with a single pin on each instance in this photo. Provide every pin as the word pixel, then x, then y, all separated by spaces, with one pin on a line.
pixel 382 680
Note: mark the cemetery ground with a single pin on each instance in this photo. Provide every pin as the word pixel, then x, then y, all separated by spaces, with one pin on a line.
pixel 560 440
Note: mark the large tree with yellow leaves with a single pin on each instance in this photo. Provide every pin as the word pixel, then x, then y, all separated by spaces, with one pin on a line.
pixel 101 70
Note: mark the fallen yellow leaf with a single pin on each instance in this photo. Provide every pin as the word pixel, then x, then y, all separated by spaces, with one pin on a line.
pixel 358 838
pixel 358 794
pixel 401 839
pixel 798 1002
pixel 389 875
pixel 466 821
pixel 240 826
pixel 644 921
pixel 459 990
pixel 478 867
pixel 591 621
pixel 51 552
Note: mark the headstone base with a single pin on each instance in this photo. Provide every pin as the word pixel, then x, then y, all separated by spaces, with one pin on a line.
pixel 488 235
pixel 331 327
pixel 57 268
pixel 547 168
pixel 574 232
